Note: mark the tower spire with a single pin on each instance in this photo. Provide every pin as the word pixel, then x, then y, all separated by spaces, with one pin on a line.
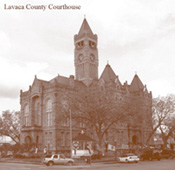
pixel 86 54
pixel 85 28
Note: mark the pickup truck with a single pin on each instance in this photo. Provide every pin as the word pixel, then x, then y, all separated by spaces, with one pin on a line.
pixel 57 159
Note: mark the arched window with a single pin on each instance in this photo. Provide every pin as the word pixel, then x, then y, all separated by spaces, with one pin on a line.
pixel 26 115
pixel 37 111
pixel 49 113
pixel 38 115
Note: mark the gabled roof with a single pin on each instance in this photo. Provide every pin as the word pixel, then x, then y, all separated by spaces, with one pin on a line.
pixel 85 28
pixel 37 82
pixel 108 74
pixel 66 81
pixel 61 79
pixel 136 84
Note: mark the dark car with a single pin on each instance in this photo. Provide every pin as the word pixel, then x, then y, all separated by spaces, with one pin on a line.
pixel 150 155
pixel 166 154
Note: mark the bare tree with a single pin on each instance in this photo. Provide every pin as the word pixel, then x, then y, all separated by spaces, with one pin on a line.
pixel 167 128
pixel 100 110
pixel 10 125
pixel 161 109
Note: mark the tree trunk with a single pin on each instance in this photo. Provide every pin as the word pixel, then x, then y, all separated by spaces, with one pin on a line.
pixel 100 146
pixel 151 134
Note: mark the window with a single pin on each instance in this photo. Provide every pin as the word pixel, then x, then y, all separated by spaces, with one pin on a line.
pixel 48 156
pixel 65 121
pixel 82 123
pixel 50 138
pixel 55 156
pixel 37 111
pixel 49 113
pixel 46 138
pixel 62 139
pixel 92 44
pixel 37 139
pixel 67 141
pixel 80 44
pixel 62 156
pixel 26 115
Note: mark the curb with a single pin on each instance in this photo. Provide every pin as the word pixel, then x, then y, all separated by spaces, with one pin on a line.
pixel 76 164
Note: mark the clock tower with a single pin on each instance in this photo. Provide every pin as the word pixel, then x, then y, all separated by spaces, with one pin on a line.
pixel 86 54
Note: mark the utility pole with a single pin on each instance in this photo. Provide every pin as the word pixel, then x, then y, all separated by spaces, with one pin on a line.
pixel 70 133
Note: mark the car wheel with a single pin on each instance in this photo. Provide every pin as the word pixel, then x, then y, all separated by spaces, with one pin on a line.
pixel 126 161
pixel 50 163
pixel 70 163
pixel 136 161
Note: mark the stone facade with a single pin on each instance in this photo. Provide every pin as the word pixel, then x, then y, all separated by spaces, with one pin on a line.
pixel 43 123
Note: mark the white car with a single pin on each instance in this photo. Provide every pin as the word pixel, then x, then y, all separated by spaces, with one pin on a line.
pixel 57 159
pixel 129 157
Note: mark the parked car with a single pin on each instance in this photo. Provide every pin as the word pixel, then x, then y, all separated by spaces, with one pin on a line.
pixel 150 154
pixel 129 157
pixel 57 159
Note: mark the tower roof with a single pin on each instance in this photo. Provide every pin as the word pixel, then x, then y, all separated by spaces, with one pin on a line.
pixel 85 28
pixel 136 84
pixel 108 74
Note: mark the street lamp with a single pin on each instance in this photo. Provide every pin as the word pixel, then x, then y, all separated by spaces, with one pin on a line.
pixel 70 133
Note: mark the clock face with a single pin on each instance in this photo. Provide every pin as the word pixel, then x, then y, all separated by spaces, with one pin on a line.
pixel 92 57
pixel 80 57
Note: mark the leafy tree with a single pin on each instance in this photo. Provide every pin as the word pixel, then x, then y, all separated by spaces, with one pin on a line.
pixel 10 125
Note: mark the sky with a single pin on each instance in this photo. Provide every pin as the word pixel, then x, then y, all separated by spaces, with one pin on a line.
pixel 134 36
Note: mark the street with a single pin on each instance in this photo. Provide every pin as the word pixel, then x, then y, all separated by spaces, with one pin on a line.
pixel 147 165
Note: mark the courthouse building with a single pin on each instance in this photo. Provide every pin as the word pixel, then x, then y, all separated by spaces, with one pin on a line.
pixel 42 122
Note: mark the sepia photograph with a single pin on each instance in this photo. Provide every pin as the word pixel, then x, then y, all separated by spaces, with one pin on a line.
pixel 87 84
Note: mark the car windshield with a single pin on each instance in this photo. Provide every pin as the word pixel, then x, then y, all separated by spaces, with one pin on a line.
pixel 48 156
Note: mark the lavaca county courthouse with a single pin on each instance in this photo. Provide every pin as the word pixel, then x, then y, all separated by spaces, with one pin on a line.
pixel 40 104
